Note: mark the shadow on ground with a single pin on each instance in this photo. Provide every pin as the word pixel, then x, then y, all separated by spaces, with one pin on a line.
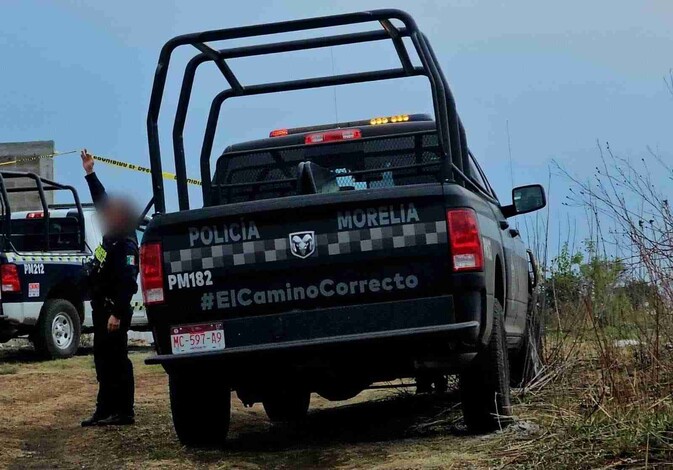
pixel 330 436
pixel 402 416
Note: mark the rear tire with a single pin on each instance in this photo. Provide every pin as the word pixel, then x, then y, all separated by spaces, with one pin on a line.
pixel 484 385
pixel 201 415
pixel 58 331
pixel 526 362
pixel 287 406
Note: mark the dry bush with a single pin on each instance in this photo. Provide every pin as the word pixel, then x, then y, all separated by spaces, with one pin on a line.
pixel 604 397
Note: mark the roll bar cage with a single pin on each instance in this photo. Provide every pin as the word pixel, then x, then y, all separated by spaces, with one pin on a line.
pixel 450 131
pixel 41 185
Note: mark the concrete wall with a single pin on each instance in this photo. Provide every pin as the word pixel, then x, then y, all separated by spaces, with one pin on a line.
pixel 44 167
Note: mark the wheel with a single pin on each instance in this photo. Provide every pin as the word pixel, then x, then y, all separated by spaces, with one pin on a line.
pixel 526 362
pixel 58 330
pixel 287 405
pixel 201 412
pixel 484 385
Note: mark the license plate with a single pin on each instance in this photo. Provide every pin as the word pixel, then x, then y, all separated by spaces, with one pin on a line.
pixel 204 337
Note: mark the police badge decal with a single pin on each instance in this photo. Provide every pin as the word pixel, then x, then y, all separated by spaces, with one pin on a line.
pixel 302 244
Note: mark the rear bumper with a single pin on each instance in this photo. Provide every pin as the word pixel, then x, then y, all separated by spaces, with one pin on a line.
pixel 23 313
pixel 456 332
pixel 408 329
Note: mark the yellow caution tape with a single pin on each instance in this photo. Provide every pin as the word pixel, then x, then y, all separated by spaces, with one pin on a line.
pixel 141 169
pixel 107 161
pixel 35 157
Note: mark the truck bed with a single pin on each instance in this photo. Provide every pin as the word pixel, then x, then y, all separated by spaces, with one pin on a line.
pixel 379 266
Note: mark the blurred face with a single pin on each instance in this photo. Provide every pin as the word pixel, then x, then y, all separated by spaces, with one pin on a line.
pixel 117 217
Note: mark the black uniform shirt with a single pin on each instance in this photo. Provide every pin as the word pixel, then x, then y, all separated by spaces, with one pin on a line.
pixel 115 273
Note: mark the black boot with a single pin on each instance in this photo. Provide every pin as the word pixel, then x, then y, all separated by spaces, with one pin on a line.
pixel 94 419
pixel 117 419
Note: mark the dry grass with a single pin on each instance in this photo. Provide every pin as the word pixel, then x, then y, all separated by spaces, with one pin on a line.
pixel 595 405
pixel 379 429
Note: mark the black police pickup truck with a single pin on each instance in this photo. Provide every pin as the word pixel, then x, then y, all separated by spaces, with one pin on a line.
pixel 331 257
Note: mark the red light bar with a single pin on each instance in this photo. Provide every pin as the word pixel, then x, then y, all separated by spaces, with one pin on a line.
pixel 278 133
pixel 333 136
pixel 399 118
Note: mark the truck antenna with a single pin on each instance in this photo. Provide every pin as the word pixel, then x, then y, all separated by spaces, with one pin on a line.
pixel 509 149
pixel 511 166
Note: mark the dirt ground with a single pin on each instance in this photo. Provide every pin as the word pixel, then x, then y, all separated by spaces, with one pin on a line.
pixel 42 403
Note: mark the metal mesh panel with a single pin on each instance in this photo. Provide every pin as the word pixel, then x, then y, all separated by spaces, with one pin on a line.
pixel 366 164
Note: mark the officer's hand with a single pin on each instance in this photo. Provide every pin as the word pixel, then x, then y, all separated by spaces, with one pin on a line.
pixel 113 324
pixel 87 161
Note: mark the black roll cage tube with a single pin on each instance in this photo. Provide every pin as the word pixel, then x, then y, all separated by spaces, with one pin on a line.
pixel 450 131
pixel 41 185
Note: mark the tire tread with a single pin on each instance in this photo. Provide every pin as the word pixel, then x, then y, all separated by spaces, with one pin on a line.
pixel 484 385
pixel 208 428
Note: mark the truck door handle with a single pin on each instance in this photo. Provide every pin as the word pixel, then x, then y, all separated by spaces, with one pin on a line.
pixel 514 232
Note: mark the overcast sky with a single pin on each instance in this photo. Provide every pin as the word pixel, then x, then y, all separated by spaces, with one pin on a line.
pixel 562 74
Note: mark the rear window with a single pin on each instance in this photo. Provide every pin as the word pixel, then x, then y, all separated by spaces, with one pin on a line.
pixel 381 162
pixel 28 234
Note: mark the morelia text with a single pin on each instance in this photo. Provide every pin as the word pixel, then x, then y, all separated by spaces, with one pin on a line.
pixel 377 216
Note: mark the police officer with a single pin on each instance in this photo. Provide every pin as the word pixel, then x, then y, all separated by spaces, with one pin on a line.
pixel 112 277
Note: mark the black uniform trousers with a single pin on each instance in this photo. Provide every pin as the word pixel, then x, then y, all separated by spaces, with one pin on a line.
pixel 114 370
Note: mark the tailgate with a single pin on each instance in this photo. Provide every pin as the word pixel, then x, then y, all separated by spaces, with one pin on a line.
pixel 303 253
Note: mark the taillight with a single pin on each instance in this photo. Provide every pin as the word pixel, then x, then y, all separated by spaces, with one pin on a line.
pixel 10 278
pixel 35 215
pixel 465 241
pixel 152 273
pixel 333 136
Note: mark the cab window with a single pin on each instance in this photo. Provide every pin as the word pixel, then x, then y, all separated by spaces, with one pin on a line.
pixel 29 234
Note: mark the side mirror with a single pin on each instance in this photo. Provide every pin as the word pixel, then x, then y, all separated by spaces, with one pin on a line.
pixel 525 199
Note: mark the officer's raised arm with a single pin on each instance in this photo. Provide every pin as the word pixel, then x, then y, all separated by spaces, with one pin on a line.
pixel 98 194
